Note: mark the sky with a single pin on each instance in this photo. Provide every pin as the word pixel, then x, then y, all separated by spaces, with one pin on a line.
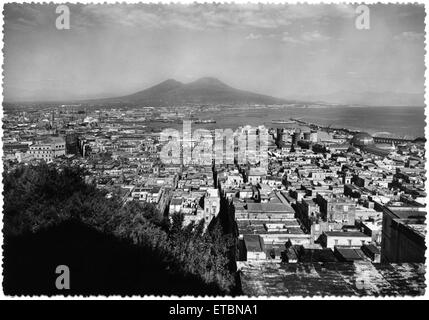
pixel 279 50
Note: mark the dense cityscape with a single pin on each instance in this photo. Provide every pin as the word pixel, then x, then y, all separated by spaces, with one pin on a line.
pixel 214 150
pixel 340 202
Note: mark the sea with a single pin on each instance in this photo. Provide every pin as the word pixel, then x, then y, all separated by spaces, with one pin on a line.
pixel 404 122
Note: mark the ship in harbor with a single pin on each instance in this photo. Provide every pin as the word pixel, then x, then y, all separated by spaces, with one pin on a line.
pixel 283 121
pixel 200 121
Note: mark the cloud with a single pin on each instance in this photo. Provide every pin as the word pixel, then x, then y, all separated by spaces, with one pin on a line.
pixel 196 16
pixel 305 38
pixel 409 36
pixel 253 36
pixel 288 38
pixel 314 36
pixel 193 16
pixel 26 17
pixel 353 74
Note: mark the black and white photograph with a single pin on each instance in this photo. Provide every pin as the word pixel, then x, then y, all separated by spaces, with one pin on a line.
pixel 214 150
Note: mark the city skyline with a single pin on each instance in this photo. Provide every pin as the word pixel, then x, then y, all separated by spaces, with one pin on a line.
pixel 216 149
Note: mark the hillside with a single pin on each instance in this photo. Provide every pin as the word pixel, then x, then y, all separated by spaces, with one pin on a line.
pixel 52 217
pixel 201 91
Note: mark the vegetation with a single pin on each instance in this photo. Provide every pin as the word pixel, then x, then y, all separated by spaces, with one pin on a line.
pixel 40 198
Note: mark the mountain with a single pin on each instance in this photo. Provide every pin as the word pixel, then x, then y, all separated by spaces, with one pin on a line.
pixel 368 98
pixel 202 91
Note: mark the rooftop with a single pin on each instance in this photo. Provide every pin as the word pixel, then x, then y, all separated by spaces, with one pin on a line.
pixel 253 243
pixel 269 207
pixel 345 234
pixel 360 278
pixel 213 192
pixel 349 254
pixel 407 214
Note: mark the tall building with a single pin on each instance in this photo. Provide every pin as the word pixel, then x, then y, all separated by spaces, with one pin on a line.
pixel 307 135
pixel 403 235
pixel 279 137
pixel 313 136
pixel 211 203
pixel 296 136
pixel 71 143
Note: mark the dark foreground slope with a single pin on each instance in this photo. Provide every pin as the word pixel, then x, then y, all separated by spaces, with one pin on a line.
pixel 52 217
pixel 98 263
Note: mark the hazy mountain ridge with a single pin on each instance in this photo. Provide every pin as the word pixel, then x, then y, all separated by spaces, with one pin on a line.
pixel 210 90
pixel 205 91
pixel 368 98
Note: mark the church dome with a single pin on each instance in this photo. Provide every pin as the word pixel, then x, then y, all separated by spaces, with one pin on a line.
pixel 362 139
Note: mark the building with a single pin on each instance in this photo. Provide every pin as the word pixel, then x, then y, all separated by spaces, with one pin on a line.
pixel 348 254
pixel 254 248
pixel 331 239
pixel 362 139
pixel 256 175
pixel 48 149
pixel 372 229
pixel 211 203
pixel 337 209
pixel 274 211
pixel 307 212
pixel 403 235
pixel 357 278
pixel 366 142
pixel 372 252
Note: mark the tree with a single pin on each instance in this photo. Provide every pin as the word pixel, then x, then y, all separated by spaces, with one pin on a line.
pixel 42 196
pixel 176 224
